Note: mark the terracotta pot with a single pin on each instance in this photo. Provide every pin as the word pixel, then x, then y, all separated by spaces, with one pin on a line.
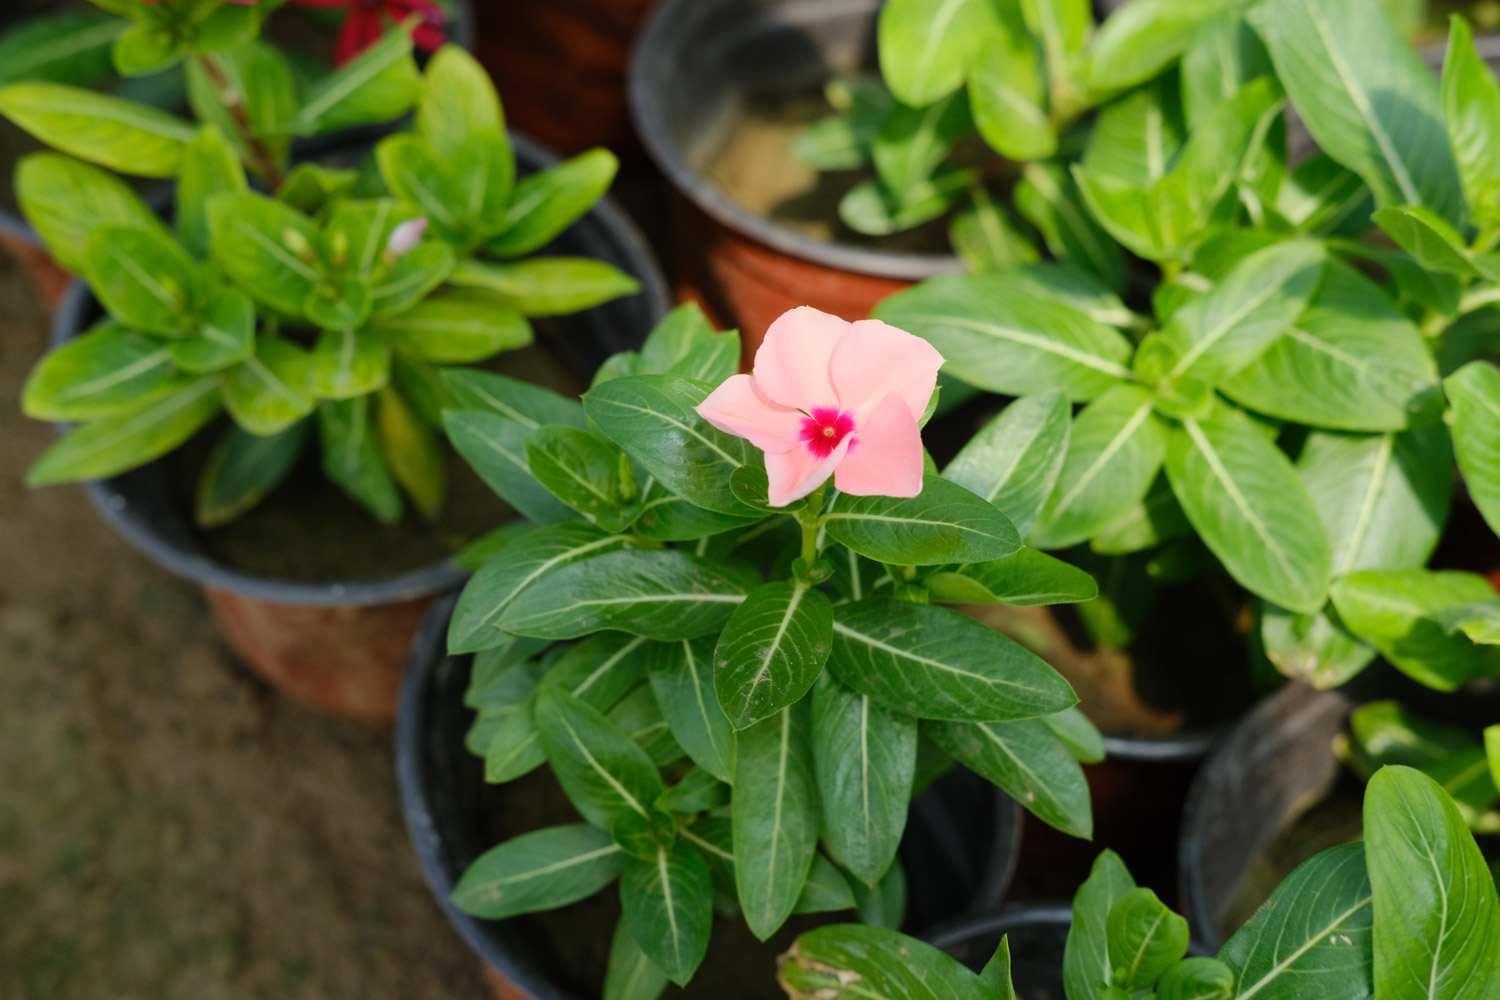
pixel 18 240
pixel 560 66
pixel 697 65
pixel 342 646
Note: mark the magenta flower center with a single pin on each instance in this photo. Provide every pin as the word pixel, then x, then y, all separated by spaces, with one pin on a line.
pixel 825 429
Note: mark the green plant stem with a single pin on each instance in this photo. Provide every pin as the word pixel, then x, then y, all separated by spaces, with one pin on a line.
pixel 234 103
pixel 810 519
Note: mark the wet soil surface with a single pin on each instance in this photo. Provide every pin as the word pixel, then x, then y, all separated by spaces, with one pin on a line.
pixel 169 828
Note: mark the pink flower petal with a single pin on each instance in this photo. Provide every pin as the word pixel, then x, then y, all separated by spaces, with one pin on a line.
pixel 886 457
pixel 875 359
pixel 796 473
pixel 738 407
pixel 791 366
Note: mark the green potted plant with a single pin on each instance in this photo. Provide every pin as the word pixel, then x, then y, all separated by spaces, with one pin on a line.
pixel 660 640
pixel 1412 911
pixel 310 300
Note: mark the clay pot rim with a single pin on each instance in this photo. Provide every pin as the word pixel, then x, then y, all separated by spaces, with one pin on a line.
pixel 612 230
pixel 652 65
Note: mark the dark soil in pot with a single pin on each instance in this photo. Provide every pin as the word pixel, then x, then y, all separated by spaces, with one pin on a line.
pixel 1037 935
pixel 959 850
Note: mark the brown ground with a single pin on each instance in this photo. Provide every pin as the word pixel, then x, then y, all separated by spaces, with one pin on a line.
pixel 169 828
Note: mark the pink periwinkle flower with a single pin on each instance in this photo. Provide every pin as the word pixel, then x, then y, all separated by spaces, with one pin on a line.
pixel 405 237
pixel 832 398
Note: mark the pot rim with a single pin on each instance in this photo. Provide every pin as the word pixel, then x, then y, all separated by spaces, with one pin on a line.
pixel 615 229
pixel 1002 920
pixel 649 83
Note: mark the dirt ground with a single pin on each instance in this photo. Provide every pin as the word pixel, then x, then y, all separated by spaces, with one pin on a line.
pixel 169 828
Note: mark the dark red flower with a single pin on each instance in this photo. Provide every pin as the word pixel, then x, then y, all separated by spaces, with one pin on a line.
pixel 365 23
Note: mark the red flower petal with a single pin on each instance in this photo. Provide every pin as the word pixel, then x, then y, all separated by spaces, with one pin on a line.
pixel 361 30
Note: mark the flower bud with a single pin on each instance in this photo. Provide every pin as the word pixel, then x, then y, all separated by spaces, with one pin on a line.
pixel 405 236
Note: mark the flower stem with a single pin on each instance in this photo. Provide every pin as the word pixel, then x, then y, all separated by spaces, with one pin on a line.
pixel 810 519
pixel 234 103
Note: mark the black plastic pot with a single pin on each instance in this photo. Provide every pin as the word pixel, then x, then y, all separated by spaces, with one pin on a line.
pixel 143 505
pixel 959 850
pixel 1038 934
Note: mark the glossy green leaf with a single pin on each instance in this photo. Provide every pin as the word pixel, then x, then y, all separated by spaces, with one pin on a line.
pixel 1087 964
pixel 495 446
pixel 1137 137
pixel 257 79
pixel 458 101
pixel 122 135
pixel 1078 734
pixel 641 719
pixel 987 238
pixel 349 363
pixel 684 343
pixel 668 906
pixel 130 439
pixel 1029 762
pixel 771 650
pixel 1011 343
pixel 1247 503
pixel 103 372
pixel 1115 450
pixel 549 201
pixel 459 326
pixel 682 678
pixel 826 889
pixel 1224 56
pixel 697 790
pixel 653 418
pixel 1471 111
pixel 866 758
pixel 1390 733
pixel 414 453
pixel 1432 241
pixel 1008 97
pixel 1015 459
pixel 352 459
pixel 1022 580
pixel 912 142
pixel 1323 197
pixel 310 187
pixel 210 167
pixel 602 770
pixel 853 962
pixel 1492 751
pixel 666 595
pixel 1136 42
pixel 1313 937
pixel 926 47
pixel 1048 197
pixel 225 334
pixel 870 209
pixel 1366 97
pixel 145 279
pixel 1311 647
pixel 242 469
pixel 540 870
pixel 66 200
pixel 1396 611
pixel 63 47
pixel 630 974
pixel 1474 397
pixel 1144 939
pixel 996 973
pixel 271 390
pixel 933 663
pixel 1479 620
pixel 549 286
pixel 884 904
pixel 1197 978
pixel 579 467
pixel 377 85
pixel 775 816
pixel 267 248
pixel 944 523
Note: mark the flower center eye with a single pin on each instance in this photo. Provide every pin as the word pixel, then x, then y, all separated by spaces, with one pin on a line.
pixel 825 429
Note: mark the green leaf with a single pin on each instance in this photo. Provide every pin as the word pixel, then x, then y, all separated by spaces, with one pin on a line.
pixel 269 392
pixel 458 101
pixel 1313 937
pixel 987 238
pixel 1115 449
pixel 1224 56
pixel 1245 500
pixel 653 418
pixel 884 905
pixel 210 167
pixel 118 443
pixel 1029 762
pixel 146 48
pixel 996 973
pixel 638 715
pixel 1008 97
pixel 377 85
pixel 998 338
pixel 682 678
pixel 1087 964
pixel 60 48
pixel 1144 939
pixel 1311 648
pixel 1474 398
pixel 1395 610
pixel 1383 499
pixel 547 202
pixel 1431 240
pixel 580 468
pixel 697 791
pixel 1325 198
pixel 65 201
pixel 267 248
pixel 352 459
pixel 912 142
pixel 870 209
pixel 242 469
pixel 1437 922
pixel 412 451
pixel 866 758
pixel 934 663
pixel 1137 137
pixel 1048 197
pixel 630 974
pixel 549 286
pixel 495 446
pixel 926 48
pixel 415 173
pixel 527 557
pixel 1078 734
pixel 1137 42
pixel 540 870
pixel 349 363
pixel 602 770
pixel 104 372
pixel 1015 459
pixel 414 276
pixel 457 326
pixel 156 297
pixel 310 187
pixel 775 816
pixel 826 889
pixel 1352 362
pixel 1366 97
pixel 684 343
pixel 668 906
pixel 771 650
pixel 1157 518
pixel 1471 111
pixel 665 595
pixel 1197 979
pixel 944 523
pixel 1390 733
pixel 851 962
pixel 115 133
pixel 1492 751
pixel 1227 328
pixel 1022 580
pixel 1479 620
pixel 257 78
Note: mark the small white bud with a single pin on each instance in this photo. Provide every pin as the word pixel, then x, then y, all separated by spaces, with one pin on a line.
pixel 405 236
